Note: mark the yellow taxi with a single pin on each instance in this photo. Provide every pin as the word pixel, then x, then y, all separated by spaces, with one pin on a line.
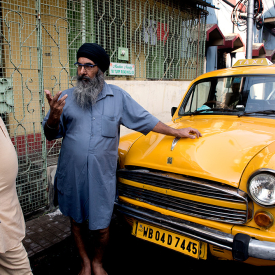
pixel 215 194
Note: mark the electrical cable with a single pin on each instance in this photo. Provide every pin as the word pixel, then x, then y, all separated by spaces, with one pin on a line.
pixel 239 14
pixel 228 3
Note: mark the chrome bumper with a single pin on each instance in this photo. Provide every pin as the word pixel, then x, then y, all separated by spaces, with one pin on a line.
pixel 241 245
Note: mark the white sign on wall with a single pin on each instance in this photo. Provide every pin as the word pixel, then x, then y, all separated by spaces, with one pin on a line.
pixel 121 69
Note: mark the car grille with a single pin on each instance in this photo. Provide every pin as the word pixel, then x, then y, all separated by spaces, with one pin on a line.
pixel 199 188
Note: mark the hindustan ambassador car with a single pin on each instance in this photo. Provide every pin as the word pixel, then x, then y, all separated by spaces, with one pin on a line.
pixel 214 194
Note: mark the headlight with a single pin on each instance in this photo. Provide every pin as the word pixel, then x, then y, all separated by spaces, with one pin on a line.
pixel 261 188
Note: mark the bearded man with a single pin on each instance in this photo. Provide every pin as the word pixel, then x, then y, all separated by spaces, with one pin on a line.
pixel 88 117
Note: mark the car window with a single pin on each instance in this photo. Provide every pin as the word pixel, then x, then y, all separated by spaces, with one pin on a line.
pixel 232 94
pixel 200 94
pixel 260 93
pixel 257 91
pixel 271 96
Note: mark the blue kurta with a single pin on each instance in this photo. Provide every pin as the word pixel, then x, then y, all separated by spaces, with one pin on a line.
pixel 86 170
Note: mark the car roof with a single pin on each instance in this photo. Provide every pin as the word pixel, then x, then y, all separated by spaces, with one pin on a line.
pixel 245 70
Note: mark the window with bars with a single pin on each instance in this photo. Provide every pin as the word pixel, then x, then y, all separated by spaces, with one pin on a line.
pixel 165 39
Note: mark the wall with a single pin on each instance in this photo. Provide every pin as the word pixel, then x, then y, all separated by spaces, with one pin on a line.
pixel 268 38
pixel 163 95
pixel 222 17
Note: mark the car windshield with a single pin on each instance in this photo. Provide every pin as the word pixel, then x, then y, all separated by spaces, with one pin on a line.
pixel 234 95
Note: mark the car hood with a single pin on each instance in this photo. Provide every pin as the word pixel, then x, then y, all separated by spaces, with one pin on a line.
pixel 221 154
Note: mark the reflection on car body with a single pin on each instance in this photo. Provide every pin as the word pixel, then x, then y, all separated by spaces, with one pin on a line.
pixel 215 193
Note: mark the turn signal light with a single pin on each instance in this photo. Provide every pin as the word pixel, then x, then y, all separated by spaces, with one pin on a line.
pixel 264 219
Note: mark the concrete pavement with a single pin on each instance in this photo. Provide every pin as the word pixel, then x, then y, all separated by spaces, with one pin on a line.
pixel 45 231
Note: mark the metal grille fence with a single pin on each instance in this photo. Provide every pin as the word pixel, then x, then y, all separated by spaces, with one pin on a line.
pixel 164 39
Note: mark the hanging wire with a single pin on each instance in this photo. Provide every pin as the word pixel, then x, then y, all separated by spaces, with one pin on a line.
pixel 239 13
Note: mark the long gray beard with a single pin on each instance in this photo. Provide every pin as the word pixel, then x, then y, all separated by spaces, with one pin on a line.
pixel 87 90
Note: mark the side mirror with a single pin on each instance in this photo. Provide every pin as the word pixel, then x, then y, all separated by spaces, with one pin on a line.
pixel 173 110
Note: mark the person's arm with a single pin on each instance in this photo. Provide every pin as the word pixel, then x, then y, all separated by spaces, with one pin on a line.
pixel 183 132
pixel 51 127
pixel 135 117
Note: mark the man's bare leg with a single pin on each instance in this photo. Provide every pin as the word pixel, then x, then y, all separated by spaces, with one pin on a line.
pixel 77 231
pixel 101 242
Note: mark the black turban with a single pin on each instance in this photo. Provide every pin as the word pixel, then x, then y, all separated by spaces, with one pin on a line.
pixel 95 53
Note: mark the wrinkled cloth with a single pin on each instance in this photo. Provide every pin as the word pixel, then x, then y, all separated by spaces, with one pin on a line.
pixel 13 256
pixel 86 171
pixel 15 261
pixel 12 224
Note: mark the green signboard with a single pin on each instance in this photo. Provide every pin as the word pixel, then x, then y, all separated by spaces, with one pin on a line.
pixel 121 69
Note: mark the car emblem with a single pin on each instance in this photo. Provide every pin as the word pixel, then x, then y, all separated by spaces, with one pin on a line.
pixel 174 143
pixel 169 160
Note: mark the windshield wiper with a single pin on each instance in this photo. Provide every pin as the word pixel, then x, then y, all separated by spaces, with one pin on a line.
pixel 265 112
pixel 213 109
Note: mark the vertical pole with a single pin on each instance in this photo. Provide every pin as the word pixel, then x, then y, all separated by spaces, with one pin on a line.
pixel 198 46
pixel 249 35
pixel 41 91
pixel 83 21
pixel 92 18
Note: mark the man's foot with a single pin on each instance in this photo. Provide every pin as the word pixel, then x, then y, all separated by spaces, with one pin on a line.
pixel 98 269
pixel 86 269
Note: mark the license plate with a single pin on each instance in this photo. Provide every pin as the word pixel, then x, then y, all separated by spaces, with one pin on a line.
pixel 167 239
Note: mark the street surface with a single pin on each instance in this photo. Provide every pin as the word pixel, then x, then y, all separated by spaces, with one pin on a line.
pixel 129 255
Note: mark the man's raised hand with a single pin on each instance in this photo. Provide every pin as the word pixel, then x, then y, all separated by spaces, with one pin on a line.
pixel 55 104
pixel 56 109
